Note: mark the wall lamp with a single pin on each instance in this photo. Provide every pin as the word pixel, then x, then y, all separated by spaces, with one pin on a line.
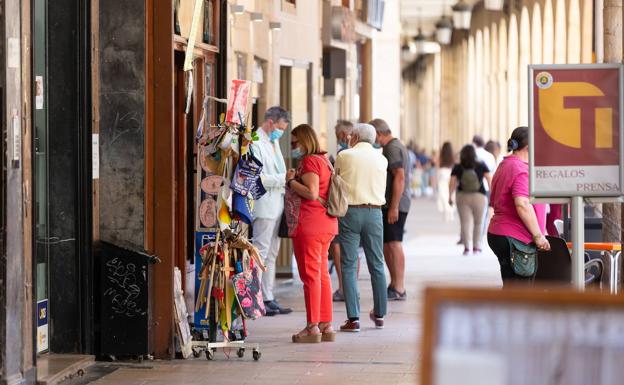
pixel 462 13
pixel 256 16
pixel 275 25
pixel 237 9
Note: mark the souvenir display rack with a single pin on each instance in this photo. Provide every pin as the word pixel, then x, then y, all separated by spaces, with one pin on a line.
pixel 227 291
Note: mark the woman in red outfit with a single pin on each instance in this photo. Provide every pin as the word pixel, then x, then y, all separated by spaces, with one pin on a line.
pixel 313 232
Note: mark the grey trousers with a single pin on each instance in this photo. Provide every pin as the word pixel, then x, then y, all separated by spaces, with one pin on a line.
pixel 363 225
pixel 470 206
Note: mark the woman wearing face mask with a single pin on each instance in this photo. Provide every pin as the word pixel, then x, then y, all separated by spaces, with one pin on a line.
pixel 313 232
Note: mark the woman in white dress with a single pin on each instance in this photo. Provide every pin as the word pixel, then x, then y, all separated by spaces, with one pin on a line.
pixel 447 160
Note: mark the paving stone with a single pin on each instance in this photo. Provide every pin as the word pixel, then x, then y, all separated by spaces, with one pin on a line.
pixel 388 356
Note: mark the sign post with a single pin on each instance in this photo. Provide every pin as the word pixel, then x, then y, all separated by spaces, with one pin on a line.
pixel 576 140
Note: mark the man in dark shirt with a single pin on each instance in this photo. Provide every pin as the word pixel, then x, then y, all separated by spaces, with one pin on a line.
pixel 396 207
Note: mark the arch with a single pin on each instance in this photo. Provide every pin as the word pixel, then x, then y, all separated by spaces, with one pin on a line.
pixel 524 59
pixel 471 87
pixel 536 35
pixel 478 82
pixel 587 32
pixel 561 40
pixel 502 81
pixel 486 105
pixel 494 111
pixel 512 75
pixel 574 32
pixel 548 36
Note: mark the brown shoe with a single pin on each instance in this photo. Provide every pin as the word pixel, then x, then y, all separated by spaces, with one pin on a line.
pixel 310 335
pixel 327 331
pixel 379 322
pixel 350 326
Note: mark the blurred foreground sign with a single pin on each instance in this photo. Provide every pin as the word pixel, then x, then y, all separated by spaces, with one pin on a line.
pixel 576 130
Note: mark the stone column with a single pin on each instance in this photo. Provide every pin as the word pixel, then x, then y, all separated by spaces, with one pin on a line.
pixel 16 300
pixel 612 13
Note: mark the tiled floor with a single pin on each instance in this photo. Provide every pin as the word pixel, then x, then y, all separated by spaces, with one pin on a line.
pixel 388 356
pixel 53 368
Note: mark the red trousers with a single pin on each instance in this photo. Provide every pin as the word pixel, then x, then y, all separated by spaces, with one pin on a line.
pixel 311 252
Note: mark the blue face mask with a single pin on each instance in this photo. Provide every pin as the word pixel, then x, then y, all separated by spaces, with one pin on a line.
pixel 377 145
pixel 276 134
pixel 296 153
pixel 343 145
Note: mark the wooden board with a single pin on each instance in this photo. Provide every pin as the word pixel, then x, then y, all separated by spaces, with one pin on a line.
pixel 521 336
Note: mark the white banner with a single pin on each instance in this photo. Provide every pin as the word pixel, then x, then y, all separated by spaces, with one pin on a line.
pixel 585 180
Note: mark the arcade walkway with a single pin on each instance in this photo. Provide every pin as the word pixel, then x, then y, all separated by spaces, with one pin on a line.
pixel 388 356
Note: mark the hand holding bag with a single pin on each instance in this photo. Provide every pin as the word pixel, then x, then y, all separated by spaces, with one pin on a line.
pixel 523 258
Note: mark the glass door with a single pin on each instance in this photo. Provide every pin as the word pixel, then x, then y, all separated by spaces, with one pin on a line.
pixel 40 172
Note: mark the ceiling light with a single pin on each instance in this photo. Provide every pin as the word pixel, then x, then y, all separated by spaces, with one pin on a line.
pixel 494 5
pixel 257 16
pixel 275 25
pixel 420 43
pixel 444 30
pixel 237 9
pixel 462 13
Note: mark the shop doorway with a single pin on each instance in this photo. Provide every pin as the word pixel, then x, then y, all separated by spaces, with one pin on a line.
pixel 188 113
pixel 40 175
pixel 295 97
pixel 62 178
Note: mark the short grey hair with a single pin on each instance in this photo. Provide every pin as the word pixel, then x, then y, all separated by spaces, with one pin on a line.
pixel 277 113
pixel 344 126
pixel 381 126
pixel 365 133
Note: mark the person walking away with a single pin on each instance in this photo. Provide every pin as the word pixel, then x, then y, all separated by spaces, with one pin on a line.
pixel 396 209
pixel 514 215
pixel 467 178
pixel 447 161
pixel 313 233
pixel 343 131
pixel 268 209
pixel 494 148
pixel 363 168
pixel 490 161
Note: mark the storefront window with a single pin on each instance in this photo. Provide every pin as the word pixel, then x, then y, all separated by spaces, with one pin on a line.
pixel 41 177
pixel 209 25
pixel 176 20
pixel 241 65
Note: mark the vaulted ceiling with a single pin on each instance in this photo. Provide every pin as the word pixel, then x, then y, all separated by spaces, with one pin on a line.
pixel 424 13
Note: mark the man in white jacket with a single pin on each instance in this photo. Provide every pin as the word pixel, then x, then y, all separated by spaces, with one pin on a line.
pixel 268 209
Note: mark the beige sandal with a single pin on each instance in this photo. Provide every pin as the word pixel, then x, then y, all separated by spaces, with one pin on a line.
pixel 327 331
pixel 310 335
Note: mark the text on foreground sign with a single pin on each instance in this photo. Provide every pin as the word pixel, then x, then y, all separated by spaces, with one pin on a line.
pixel 576 130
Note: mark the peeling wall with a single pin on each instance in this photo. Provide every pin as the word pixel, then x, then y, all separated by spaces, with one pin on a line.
pixel 122 122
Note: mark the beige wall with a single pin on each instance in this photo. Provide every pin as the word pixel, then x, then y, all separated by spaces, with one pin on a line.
pixel 298 42
pixel 386 60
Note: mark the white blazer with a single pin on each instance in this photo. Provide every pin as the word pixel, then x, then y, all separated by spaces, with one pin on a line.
pixel 273 176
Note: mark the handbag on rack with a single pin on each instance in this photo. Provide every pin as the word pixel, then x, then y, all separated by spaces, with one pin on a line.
pixel 523 258
pixel 248 294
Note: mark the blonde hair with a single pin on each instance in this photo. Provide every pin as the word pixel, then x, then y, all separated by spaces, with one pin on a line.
pixel 306 136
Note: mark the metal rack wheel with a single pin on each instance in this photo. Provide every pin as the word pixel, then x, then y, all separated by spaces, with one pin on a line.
pixel 256 354
pixel 196 353
pixel 240 352
pixel 210 355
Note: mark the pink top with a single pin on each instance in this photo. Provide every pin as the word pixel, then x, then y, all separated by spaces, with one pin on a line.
pixel 512 180
pixel 313 218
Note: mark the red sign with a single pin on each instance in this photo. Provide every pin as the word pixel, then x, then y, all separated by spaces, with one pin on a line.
pixel 576 130
pixel 237 101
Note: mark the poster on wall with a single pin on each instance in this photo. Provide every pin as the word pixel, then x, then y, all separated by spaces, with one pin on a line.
pixel 237 101
pixel 576 125
pixel 43 343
